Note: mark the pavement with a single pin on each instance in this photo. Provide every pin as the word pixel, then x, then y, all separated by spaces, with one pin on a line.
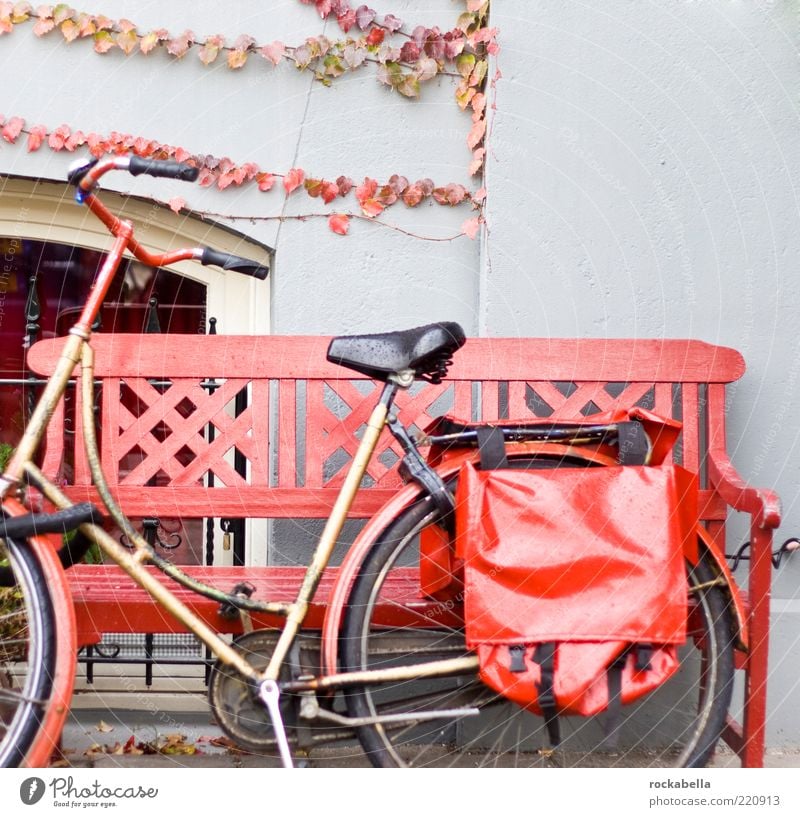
pixel 103 738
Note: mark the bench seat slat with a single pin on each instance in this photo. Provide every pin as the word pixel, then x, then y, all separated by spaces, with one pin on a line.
pixel 109 601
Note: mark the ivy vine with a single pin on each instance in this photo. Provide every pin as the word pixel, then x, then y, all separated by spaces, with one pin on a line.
pixel 425 52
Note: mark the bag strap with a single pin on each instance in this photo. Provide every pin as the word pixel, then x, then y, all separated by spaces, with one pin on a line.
pixel 613 719
pixel 492 447
pixel 633 443
pixel 545 656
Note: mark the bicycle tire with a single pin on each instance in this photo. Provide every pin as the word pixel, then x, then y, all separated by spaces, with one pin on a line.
pixel 666 730
pixel 28 653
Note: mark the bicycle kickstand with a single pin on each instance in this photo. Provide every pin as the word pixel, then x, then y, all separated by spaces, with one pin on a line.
pixel 270 694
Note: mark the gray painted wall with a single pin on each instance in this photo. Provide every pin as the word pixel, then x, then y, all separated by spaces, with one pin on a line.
pixel 643 178
pixel 643 182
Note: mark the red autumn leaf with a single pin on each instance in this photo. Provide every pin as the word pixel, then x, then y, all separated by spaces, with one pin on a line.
pixel 179 45
pixel 58 138
pixel 392 23
pixel 386 196
pixel 366 190
pixel 70 30
pixel 339 223
pixel 409 52
pixel 236 59
pixel 20 12
pixel 365 193
pixel 426 185
pixel 104 42
pixel 86 25
pixel 479 196
pixel 76 140
pixel 434 43
pixel 45 21
pixel 364 16
pixel 451 194
pixel 12 129
pixel 293 179
pixel 96 144
pixel 470 227
pixel 426 68
pixel 36 137
pixel 323 7
pixel 477 161
pixel 226 179
pixel 211 48
pixel 151 40
pixel 265 181
pixel 479 103
pixel 413 195
pixel 346 19
pixel 453 44
pixel 330 191
pixel 238 56
pixel 345 185
pixel 143 147
pixel 127 39
pixel 398 183
pixel 273 52
pixel 372 208
pixel 206 177
pixel 249 171
pixel 375 36
pixel 476 133
pixel 176 204
pixel 313 187
pixel 61 13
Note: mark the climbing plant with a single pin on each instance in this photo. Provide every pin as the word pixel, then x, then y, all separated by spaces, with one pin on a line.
pixel 405 58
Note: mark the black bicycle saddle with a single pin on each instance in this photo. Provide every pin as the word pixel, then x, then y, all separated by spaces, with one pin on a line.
pixel 427 350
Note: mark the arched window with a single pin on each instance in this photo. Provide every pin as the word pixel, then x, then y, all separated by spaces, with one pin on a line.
pixel 50 251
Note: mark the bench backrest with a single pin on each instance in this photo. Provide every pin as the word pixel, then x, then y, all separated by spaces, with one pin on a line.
pixel 170 415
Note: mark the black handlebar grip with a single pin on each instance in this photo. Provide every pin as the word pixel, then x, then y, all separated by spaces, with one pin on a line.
pixel 162 167
pixel 234 263
pixel 32 524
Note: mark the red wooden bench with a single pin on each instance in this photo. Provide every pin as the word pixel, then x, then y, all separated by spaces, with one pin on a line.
pixel 299 426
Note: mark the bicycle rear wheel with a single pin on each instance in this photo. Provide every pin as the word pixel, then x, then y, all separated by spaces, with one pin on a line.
pixel 28 651
pixel 677 725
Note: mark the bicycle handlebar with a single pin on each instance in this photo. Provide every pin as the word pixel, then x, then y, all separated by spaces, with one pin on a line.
pixel 234 263
pixel 162 167
pixel 86 174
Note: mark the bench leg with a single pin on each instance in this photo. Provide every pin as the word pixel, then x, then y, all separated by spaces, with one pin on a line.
pixel 757 673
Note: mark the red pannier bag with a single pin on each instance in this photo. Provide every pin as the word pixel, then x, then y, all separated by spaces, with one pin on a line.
pixel 575 585
pixel 441 573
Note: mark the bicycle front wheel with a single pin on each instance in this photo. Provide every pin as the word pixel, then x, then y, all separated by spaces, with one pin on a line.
pixel 677 725
pixel 27 651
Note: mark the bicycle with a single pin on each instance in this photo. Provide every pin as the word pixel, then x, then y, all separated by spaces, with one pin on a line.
pixel 407 688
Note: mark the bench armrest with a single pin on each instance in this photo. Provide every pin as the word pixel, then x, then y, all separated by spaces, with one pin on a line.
pixel 761 503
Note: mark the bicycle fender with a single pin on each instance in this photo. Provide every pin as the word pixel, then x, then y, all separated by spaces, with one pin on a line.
pixel 733 590
pixel 52 724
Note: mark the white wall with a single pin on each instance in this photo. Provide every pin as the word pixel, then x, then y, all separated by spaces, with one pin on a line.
pixel 643 182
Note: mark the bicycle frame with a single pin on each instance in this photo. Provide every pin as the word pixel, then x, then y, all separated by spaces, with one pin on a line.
pixel 21 467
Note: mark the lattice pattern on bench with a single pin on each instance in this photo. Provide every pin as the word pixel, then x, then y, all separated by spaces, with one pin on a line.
pixel 175 409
